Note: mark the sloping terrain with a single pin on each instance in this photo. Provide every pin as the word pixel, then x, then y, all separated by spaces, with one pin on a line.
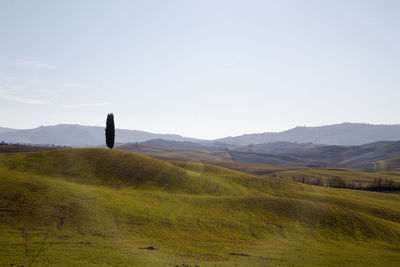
pixel 90 207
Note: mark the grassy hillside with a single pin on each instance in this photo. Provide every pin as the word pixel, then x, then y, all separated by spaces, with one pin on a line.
pixel 91 207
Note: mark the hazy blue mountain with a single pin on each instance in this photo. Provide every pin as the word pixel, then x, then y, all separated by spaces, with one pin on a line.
pixel 79 136
pixel 337 134
pixel 6 130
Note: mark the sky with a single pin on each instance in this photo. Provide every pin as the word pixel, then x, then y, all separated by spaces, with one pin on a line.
pixel 204 69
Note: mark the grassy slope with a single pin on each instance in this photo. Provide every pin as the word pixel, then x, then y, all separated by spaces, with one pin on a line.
pixel 100 206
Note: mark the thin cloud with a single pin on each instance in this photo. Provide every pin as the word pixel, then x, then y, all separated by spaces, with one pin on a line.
pixel 83 105
pixel 37 65
pixel 26 100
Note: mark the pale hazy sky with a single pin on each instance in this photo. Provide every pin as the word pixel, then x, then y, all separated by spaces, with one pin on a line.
pixel 201 68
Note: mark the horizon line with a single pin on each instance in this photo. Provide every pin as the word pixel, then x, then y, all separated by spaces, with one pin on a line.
pixel 229 136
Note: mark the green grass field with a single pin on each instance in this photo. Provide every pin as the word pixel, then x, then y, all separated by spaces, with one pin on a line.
pixel 96 207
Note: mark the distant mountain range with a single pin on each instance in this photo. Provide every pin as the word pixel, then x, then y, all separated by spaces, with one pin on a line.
pixel 346 134
pixel 5 130
pixel 79 136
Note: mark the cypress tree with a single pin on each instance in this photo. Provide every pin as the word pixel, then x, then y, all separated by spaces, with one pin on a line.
pixel 110 131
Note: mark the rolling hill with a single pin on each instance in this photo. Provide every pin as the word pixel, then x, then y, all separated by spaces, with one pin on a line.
pixel 363 157
pixel 99 207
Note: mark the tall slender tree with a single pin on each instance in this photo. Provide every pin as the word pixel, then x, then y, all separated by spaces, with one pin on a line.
pixel 110 131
